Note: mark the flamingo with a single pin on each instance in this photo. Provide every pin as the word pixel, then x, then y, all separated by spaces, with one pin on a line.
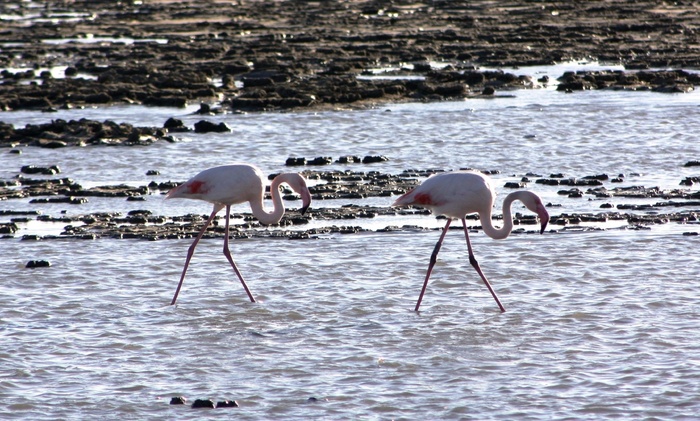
pixel 456 194
pixel 232 184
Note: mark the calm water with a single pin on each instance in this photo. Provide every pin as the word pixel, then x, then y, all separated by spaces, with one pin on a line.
pixel 600 324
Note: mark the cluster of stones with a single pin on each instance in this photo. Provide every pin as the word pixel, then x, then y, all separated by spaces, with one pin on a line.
pixel 61 133
pixel 327 160
pixel 347 185
pixel 204 403
pixel 667 81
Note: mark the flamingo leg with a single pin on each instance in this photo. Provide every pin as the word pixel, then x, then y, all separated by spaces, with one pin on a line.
pixel 227 253
pixel 190 252
pixel 475 264
pixel 433 259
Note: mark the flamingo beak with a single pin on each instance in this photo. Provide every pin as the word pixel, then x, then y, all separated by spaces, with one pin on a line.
pixel 544 217
pixel 174 192
pixel 305 201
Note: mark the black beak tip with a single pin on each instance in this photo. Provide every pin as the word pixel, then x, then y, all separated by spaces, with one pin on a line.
pixel 303 210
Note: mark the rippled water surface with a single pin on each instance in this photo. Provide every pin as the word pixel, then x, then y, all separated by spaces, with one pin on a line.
pixel 600 324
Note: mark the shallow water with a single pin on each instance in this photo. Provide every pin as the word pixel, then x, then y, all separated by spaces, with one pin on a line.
pixel 600 324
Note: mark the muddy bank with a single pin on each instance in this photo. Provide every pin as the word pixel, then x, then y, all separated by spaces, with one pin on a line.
pixel 279 55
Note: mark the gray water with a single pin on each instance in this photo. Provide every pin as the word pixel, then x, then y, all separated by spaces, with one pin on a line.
pixel 600 323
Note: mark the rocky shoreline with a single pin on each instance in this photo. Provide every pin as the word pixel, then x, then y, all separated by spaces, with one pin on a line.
pixel 277 55
pixel 348 185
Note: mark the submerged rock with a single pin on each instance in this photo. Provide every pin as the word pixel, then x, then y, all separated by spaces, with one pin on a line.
pixel 32 169
pixel 178 400
pixel 203 403
pixel 37 264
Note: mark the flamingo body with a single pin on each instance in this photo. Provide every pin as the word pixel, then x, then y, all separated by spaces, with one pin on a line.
pixel 453 194
pixel 460 193
pixel 225 185
pixel 228 185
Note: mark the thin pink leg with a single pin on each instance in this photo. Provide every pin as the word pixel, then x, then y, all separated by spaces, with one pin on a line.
pixel 227 253
pixel 433 259
pixel 474 263
pixel 190 252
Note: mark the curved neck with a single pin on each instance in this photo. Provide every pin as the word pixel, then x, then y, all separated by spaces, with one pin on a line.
pixel 265 217
pixel 487 223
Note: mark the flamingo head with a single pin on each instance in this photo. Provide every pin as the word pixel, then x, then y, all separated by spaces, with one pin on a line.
pixel 298 184
pixel 543 215
pixel 534 204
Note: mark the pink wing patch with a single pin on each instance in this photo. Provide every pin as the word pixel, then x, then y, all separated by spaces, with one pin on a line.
pixel 423 199
pixel 197 187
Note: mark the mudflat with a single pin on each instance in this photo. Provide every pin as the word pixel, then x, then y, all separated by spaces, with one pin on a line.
pixel 284 55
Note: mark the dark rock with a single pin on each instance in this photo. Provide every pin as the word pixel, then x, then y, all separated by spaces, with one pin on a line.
pixel 573 193
pixel 52 144
pixel 37 264
pixel 99 98
pixel 321 160
pixel 584 182
pixel 32 169
pixel 203 403
pixel 227 404
pixel 692 164
pixel 291 162
pixel 8 228
pixel 67 199
pixel 140 212
pixel 204 109
pixel 451 90
pixel 166 101
pixel 175 125
pixel 249 82
pixel 178 400
pixel 372 159
pixel 348 159
pixel 204 126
